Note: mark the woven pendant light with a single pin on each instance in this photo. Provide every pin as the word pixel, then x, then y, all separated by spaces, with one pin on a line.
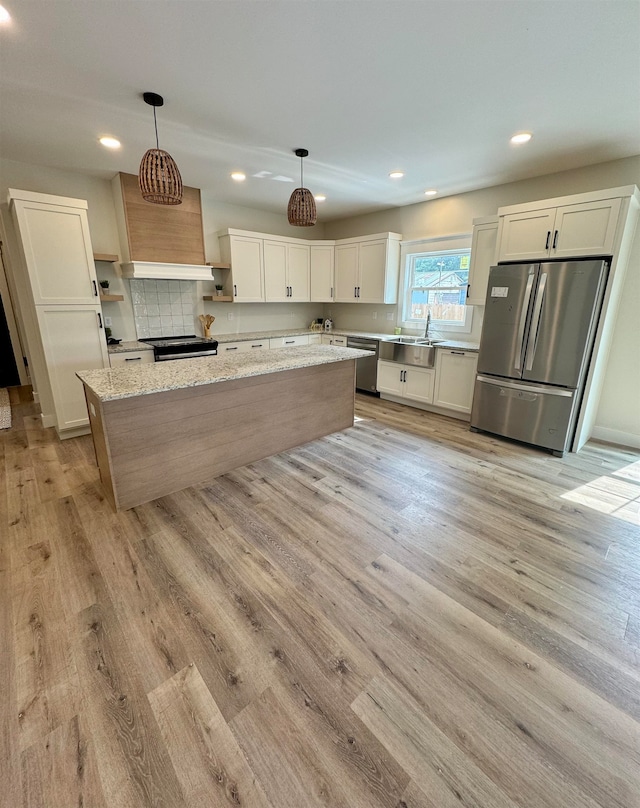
pixel 302 206
pixel 158 176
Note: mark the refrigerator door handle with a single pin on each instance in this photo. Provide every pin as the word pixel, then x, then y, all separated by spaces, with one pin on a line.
pixel 527 388
pixel 523 319
pixel 535 322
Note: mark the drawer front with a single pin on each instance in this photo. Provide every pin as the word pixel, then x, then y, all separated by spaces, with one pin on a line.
pixel 289 342
pixel 130 358
pixel 232 348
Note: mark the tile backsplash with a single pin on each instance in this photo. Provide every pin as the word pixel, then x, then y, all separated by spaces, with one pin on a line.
pixel 163 308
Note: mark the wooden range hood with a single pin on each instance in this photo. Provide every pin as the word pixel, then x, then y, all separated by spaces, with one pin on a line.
pixel 159 241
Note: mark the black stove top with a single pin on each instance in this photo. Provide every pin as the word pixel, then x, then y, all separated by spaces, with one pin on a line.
pixel 190 339
pixel 188 347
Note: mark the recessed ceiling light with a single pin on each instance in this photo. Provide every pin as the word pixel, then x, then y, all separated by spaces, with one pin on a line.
pixel 4 15
pixel 238 176
pixel 320 197
pixel 110 142
pixel 395 175
pixel 521 137
pixel 431 192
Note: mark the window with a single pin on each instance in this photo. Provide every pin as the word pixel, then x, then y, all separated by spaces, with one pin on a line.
pixel 436 281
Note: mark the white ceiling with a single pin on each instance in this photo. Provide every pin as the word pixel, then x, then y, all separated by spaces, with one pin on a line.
pixel 435 89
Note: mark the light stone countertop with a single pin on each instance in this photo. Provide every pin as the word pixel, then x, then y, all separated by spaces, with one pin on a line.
pixel 132 345
pixel 110 384
pixel 293 332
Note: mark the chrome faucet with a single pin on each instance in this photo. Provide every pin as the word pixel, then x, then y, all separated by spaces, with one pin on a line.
pixel 427 326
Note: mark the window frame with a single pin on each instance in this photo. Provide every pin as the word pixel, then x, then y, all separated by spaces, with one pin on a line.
pixel 442 245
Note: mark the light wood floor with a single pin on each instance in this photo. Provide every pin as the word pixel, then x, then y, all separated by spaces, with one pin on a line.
pixel 404 614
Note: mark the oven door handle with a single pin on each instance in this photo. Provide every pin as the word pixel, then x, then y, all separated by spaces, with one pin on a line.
pixel 194 355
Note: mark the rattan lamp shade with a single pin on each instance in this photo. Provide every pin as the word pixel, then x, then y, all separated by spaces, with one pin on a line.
pixel 302 208
pixel 159 178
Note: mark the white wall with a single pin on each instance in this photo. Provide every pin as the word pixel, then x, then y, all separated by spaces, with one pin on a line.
pixel 618 416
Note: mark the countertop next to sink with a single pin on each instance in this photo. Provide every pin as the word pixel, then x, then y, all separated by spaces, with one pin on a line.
pixel 460 345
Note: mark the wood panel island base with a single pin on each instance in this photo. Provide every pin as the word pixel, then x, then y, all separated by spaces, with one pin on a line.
pixel 150 442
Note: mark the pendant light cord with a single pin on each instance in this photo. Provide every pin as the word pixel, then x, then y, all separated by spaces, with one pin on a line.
pixel 155 123
pixel 301 174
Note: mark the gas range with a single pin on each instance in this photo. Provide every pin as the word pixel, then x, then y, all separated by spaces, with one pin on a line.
pixel 189 347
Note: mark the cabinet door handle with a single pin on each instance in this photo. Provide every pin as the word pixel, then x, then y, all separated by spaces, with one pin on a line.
pixel 133 359
pixel 331 295
pixel 358 291
pixel 401 372
pixel 555 239
pixel 546 245
pixel 291 291
pixel 235 290
pixel 355 291
pixel 95 288
pixel 468 288
pixel 99 319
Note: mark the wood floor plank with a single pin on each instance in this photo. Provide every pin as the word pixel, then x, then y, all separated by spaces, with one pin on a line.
pixel 61 769
pixel 134 766
pixel 9 729
pixel 205 754
pixel 284 761
pixel 434 762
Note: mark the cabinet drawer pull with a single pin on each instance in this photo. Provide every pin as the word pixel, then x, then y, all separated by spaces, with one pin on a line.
pixel 289 342
pixel 555 240
pixel 546 245
pixel 133 359
pixel 259 345
pixel 458 353
pixel 235 348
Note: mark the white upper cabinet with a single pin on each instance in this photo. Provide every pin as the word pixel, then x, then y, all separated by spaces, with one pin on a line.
pixel 286 272
pixel 322 272
pixel 366 269
pixel 298 262
pixel 244 253
pixel 581 229
pixel 483 257
pixel 57 250
pixel 346 272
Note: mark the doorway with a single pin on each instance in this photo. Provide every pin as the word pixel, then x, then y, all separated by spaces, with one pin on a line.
pixel 8 369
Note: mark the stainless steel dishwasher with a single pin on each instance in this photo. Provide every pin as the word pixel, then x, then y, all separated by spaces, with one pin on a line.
pixel 367 367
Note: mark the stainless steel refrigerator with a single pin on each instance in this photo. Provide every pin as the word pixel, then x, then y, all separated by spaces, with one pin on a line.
pixel 538 332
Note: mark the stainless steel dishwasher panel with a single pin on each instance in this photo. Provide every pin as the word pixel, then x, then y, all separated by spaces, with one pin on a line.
pixel 367 366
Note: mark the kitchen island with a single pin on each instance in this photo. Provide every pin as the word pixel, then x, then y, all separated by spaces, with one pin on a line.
pixel 161 427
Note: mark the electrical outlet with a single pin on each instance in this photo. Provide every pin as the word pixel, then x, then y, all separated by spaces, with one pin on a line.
pixel 375 315
pixel 390 315
pixel 107 322
pixel 229 315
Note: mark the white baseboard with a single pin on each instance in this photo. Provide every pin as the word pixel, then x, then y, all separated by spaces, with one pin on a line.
pixel 616 436
pixel 36 396
pixel 48 420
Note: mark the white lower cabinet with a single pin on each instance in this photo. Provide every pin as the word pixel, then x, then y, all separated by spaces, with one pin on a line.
pixel 334 339
pixel 455 379
pixel 289 342
pixel 130 358
pixel 406 381
pixel 242 347
pixel 72 339
pixel 315 339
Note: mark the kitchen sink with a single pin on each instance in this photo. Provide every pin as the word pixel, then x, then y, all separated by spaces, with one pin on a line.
pixel 414 341
pixel 421 353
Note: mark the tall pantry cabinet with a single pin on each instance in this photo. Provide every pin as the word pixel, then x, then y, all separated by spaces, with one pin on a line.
pixel 60 303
